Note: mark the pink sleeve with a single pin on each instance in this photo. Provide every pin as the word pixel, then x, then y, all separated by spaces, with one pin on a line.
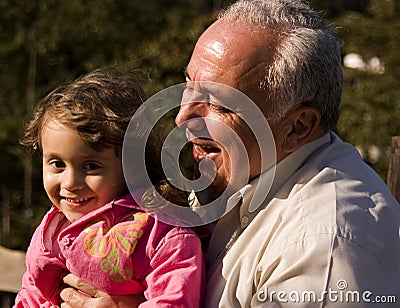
pixel 177 274
pixel 41 280
pixel 30 296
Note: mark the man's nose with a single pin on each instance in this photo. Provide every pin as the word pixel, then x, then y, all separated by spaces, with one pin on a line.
pixel 189 118
pixel 192 112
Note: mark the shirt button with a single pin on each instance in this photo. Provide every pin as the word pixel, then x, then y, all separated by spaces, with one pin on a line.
pixel 245 220
pixel 66 241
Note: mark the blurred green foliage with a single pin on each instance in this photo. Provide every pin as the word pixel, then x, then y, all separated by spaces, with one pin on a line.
pixel 49 42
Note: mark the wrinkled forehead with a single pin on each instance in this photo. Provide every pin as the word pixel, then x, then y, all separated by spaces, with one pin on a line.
pixel 237 41
pixel 235 54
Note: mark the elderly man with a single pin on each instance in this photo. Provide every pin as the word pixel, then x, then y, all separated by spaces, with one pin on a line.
pixel 328 221
pixel 327 231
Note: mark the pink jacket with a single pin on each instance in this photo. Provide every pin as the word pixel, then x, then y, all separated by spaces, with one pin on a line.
pixel 119 249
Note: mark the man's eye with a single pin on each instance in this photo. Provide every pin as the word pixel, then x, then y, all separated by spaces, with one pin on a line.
pixel 220 108
pixel 189 87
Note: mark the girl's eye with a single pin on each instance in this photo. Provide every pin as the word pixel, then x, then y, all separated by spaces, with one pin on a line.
pixel 57 164
pixel 90 167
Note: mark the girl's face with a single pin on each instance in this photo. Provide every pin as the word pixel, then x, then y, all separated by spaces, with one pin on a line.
pixel 78 179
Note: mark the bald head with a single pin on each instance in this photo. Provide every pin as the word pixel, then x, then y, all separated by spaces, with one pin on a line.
pixel 306 68
pixel 235 54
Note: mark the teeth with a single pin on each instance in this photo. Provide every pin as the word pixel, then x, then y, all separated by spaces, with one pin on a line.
pixel 206 149
pixel 77 200
pixel 201 150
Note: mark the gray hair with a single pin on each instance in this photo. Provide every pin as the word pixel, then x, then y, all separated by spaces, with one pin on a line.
pixel 306 67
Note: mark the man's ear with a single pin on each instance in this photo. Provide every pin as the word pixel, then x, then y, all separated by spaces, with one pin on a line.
pixel 302 125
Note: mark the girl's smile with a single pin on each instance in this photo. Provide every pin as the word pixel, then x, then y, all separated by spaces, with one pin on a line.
pixel 77 178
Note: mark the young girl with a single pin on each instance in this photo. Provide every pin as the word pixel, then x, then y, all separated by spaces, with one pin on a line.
pixel 95 229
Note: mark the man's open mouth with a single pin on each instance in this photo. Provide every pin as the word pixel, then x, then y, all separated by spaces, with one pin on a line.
pixel 204 148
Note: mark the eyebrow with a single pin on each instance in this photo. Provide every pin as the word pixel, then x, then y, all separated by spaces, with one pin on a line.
pixel 98 155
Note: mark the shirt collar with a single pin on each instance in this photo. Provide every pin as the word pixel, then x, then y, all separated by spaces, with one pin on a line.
pixel 262 189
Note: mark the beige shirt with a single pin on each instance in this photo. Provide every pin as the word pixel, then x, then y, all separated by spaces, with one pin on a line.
pixel 326 234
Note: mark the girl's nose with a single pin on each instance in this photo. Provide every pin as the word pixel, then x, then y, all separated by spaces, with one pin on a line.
pixel 72 180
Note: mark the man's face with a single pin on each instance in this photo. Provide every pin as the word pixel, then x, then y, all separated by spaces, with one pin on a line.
pixel 230 55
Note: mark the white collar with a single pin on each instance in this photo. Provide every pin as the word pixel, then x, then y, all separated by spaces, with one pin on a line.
pixel 262 189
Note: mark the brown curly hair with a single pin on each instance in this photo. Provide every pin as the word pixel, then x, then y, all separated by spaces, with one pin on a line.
pixel 98 105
